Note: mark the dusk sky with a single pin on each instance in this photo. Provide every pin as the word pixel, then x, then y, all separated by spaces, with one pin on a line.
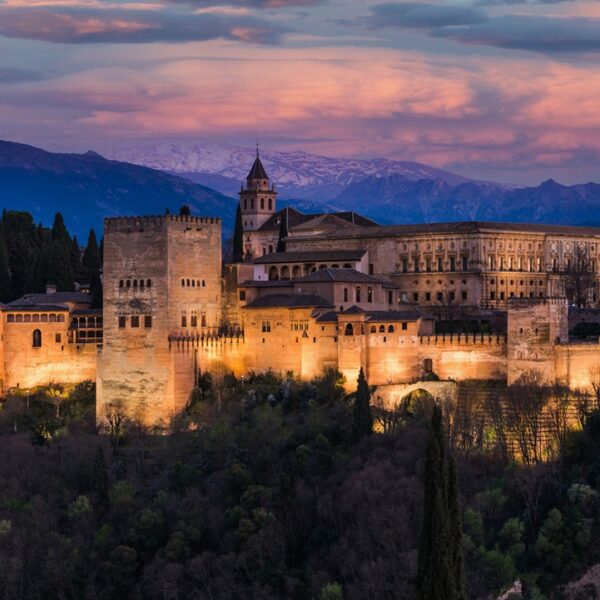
pixel 506 90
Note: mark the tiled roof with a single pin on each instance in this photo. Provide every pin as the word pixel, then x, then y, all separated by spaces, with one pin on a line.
pixel 270 283
pixel 310 257
pixel 50 299
pixel 298 220
pixel 36 308
pixel 88 311
pixel 289 301
pixel 328 317
pixel 393 315
pixel 459 227
pixel 343 275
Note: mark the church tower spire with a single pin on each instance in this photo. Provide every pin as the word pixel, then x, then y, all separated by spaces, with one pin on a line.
pixel 257 199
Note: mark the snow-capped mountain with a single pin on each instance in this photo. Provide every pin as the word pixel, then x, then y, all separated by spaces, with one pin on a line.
pixel 295 173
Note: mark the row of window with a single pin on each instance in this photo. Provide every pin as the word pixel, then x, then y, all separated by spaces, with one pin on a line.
pixel 358 294
pixel 86 322
pixel 502 295
pixel 262 203
pixel 134 321
pixel 136 283
pixel 439 264
pixel 193 282
pixel 349 329
pixel 193 321
pixel 35 318
pixel 439 296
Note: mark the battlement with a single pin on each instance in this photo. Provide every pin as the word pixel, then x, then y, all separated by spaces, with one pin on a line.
pixel 463 339
pixel 518 303
pixel 129 224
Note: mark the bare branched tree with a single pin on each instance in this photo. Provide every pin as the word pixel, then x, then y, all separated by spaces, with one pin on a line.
pixel 115 424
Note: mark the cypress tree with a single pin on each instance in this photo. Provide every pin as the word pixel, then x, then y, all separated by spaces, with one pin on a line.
pixel 76 260
pixel 5 283
pixel 439 573
pixel 238 237
pixel 91 268
pixel 60 268
pixel 283 231
pixel 362 417
pixel 21 246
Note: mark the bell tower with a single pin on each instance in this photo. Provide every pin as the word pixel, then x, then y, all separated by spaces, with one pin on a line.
pixel 258 198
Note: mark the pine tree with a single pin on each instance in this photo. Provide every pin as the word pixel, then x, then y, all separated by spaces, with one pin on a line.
pixel 60 267
pixel 238 237
pixel 363 419
pixel 439 573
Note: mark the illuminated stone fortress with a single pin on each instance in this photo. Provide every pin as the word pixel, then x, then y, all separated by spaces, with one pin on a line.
pixel 311 291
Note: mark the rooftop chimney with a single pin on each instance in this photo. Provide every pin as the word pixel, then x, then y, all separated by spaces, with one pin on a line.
pixel 50 289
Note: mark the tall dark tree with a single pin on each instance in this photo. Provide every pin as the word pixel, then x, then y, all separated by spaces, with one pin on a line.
pixel 91 265
pixel 21 245
pixel 60 267
pixel 76 260
pixel 5 283
pixel 439 573
pixel 283 230
pixel 185 211
pixel 99 479
pixel 362 416
pixel 238 237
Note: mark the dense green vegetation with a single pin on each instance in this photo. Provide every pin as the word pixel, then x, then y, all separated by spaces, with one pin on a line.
pixel 276 496
pixel 33 256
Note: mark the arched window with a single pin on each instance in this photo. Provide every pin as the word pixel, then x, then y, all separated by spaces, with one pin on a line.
pixel 128 283
pixel 347 266
pixel 135 282
pixel 285 272
pixel 182 282
pixel 349 329
pixel 193 283
pixel 391 329
pixel 270 249
pixel 245 204
pixel 273 274
pixel 203 320
pixel 37 338
pixel 121 283
pixel 382 329
pixel 187 282
pixel 204 283
pixel 262 203
pixel 357 295
pixel 149 283
pixel 296 272
pixel 252 203
pixel 270 203
pixel 141 283
pixel 373 329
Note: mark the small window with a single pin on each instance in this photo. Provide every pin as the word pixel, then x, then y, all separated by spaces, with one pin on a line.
pixel 203 320
pixel 463 295
pixel 203 283
pixel 121 283
pixel 390 297
pixel 10 319
pixel 382 329
pixel 58 338
pixel 266 326
pixel 149 283
pixel 128 283
pixel 122 321
pixel 270 208
pixel 242 295
pixel 147 321
pixel 357 293
pixel 135 321
pixel 193 283
pixel 37 338
pixel 183 321
pixel 345 294
pixel 349 329
pixel 187 282
pixel 182 282
pixel 404 326
pixel 427 296
pixel 369 294
pixel 194 320
pixel 391 329
pixel 135 283
pixel 141 283
pixel 373 329
pixel 428 365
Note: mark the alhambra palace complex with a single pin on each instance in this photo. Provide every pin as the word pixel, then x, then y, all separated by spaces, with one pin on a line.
pixel 311 291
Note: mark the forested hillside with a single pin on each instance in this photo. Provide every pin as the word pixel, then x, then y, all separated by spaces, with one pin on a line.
pixel 270 489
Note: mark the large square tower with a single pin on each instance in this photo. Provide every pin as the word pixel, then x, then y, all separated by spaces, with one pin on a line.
pixel 162 279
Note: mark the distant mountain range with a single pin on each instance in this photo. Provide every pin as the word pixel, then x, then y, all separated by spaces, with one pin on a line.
pixel 87 187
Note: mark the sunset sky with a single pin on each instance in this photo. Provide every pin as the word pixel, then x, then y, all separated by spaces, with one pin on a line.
pixel 503 89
